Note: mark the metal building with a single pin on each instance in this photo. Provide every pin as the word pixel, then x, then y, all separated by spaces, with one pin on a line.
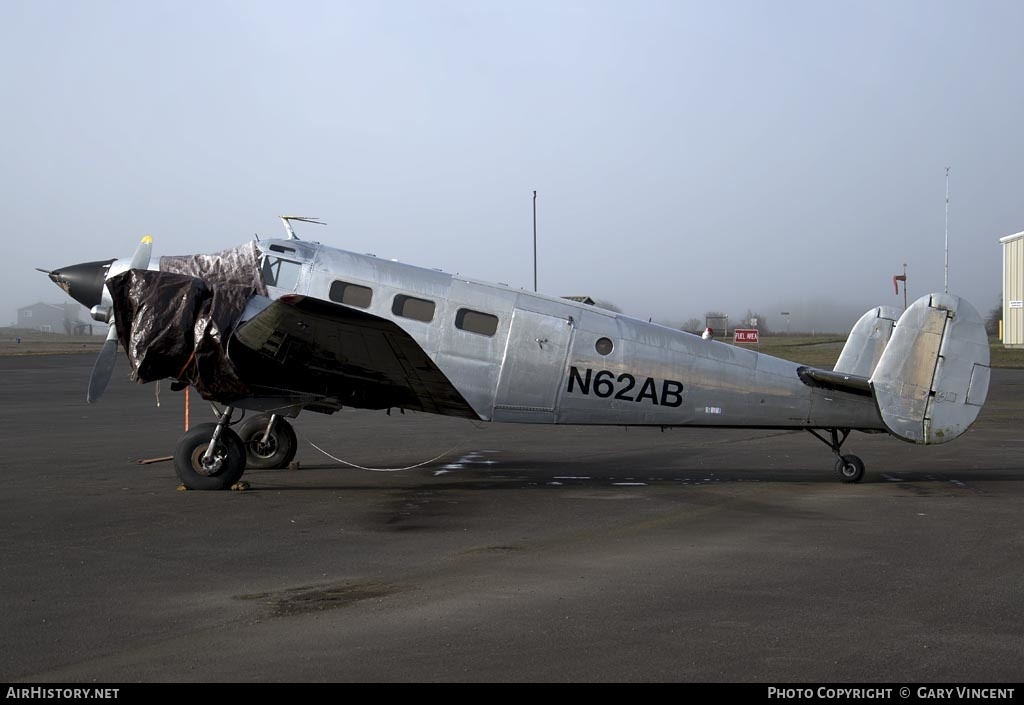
pixel 53 318
pixel 1013 290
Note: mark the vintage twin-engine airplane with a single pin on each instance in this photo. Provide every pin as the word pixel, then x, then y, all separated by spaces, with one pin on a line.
pixel 278 326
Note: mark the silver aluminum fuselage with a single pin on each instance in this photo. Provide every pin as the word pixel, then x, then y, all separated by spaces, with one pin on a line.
pixel 542 364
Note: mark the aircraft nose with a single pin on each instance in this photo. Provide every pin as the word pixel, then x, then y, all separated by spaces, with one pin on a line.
pixel 82 282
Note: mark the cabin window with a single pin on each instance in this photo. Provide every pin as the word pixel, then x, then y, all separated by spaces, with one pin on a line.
pixel 604 345
pixel 351 294
pixel 411 307
pixel 282 248
pixel 282 273
pixel 476 322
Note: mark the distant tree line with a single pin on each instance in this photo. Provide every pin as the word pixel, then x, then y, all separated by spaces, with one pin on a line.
pixel 697 325
pixel 993 318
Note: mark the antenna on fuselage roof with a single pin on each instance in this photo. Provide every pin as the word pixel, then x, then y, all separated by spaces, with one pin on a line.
pixel 300 218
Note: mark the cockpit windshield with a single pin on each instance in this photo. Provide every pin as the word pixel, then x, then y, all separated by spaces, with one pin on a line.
pixel 279 272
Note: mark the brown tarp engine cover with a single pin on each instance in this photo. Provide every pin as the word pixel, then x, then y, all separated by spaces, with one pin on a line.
pixel 175 323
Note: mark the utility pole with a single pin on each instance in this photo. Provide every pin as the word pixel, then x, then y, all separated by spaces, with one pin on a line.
pixel 904 286
pixel 535 242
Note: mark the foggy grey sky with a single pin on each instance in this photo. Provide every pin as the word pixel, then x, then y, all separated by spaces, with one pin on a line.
pixel 688 155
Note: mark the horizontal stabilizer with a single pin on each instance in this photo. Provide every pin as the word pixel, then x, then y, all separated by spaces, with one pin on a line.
pixel 867 342
pixel 852 384
pixel 932 378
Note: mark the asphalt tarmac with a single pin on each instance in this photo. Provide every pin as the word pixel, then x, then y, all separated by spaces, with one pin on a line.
pixel 524 554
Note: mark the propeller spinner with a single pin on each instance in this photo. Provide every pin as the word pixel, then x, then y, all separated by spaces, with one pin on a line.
pixel 84 283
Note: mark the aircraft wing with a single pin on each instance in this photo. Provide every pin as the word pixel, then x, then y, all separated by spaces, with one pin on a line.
pixel 342 356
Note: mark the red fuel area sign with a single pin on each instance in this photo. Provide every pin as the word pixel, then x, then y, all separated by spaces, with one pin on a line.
pixel 744 335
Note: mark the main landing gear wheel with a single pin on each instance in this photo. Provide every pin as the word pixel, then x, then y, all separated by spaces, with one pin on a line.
pixel 219 472
pixel 276 451
pixel 850 468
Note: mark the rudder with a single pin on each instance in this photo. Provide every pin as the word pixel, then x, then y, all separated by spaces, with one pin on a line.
pixel 932 378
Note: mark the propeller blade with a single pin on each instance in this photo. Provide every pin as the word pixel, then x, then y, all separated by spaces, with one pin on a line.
pixel 104 367
pixel 140 260
pixel 44 271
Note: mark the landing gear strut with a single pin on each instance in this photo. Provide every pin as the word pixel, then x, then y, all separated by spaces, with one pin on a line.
pixel 849 467
pixel 210 456
pixel 269 441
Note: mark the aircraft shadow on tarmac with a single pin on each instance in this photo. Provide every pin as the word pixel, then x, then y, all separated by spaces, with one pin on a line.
pixel 547 474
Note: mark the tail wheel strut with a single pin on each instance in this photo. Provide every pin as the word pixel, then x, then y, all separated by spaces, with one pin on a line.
pixel 849 467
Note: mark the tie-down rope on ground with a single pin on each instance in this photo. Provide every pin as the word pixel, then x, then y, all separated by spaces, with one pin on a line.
pixel 361 467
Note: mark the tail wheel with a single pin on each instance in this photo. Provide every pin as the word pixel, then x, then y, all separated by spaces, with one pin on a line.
pixel 279 448
pixel 221 471
pixel 850 468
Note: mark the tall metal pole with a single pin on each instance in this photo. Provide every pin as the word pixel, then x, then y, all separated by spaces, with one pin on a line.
pixel 535 241
pixel 946 279
pixel 904 286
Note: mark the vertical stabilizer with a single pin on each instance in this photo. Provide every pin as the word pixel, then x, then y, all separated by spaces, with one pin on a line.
pixel 932 378
pixel 867 342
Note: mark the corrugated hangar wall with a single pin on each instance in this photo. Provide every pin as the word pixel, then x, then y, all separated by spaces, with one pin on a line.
pixel 1013 290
